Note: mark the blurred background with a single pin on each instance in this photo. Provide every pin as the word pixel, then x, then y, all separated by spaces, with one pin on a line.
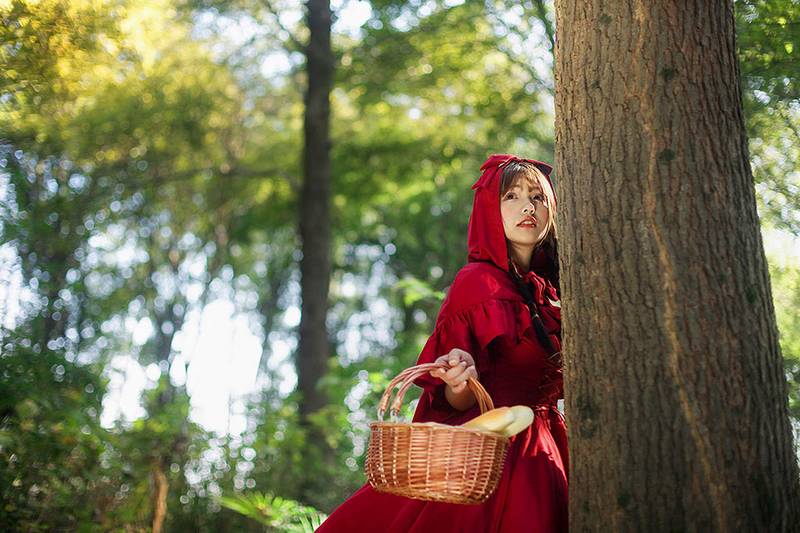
pixel 150 183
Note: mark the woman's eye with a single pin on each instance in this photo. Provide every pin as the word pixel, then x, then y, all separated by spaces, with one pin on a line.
pixel 509 196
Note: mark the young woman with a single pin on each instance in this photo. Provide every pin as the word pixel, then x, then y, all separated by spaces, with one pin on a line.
pixel 500 322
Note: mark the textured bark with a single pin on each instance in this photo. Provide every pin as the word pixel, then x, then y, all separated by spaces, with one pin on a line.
pixel 675 391
pixel 315 267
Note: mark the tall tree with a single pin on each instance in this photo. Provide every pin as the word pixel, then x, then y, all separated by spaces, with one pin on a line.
pixel 675 388
pixel 314 209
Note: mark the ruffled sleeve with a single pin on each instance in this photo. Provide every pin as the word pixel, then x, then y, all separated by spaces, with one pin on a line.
pixel 471 329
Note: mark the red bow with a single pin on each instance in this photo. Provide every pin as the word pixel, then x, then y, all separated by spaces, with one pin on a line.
pixel 541 288
pixel 499 161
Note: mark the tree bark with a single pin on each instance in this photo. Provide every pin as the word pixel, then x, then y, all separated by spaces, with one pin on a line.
pixel 159 496
pixel 315 234
pixel 675 391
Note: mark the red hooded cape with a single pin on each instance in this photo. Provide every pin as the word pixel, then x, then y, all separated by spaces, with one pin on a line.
pixel 483 304
pixel 485 315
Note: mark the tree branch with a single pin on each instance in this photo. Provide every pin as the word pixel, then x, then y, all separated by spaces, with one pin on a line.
pixel 300 47
pixel 541 10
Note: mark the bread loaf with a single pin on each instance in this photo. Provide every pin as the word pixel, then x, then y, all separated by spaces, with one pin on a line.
pixel 507 421
pixel 523 417
pixel 495 420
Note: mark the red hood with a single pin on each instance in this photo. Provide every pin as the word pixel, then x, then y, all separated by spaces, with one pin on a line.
pixel 486 239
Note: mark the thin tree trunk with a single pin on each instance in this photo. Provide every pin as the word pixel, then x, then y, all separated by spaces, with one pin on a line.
pixel 315 267
pixel 159 496
pixel 314 349
pixel 675 390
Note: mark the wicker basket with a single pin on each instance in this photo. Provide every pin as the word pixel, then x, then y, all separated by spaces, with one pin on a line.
pixel 431 461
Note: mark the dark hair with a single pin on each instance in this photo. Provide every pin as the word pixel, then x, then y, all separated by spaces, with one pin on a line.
pixel 538 326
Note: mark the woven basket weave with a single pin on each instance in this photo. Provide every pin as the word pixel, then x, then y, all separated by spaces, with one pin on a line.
pixel 431 461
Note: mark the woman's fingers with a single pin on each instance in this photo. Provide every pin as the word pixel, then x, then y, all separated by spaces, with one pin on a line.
pixel 461 368
pixel 469 372
pixel 461 355
pixel 447 359
pixel 461 377
pixel 449 376
pixel 460 383
pixel 455 372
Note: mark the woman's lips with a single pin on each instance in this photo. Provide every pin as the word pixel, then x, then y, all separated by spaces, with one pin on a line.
pixel 527 223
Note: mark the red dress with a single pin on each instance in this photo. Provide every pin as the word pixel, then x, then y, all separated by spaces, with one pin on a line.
pixel 485 315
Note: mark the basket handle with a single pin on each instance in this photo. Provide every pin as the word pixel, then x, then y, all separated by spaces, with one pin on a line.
pixel 406 378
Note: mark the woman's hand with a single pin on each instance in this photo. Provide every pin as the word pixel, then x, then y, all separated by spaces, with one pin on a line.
pixel 462 367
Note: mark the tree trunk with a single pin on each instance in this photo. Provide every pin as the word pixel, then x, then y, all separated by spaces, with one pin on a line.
pixel 675 391
pixel 159 496
pixel 315 266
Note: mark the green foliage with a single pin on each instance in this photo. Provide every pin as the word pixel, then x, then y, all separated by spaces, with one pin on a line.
pixel 149 164
pixel 414 290
pixel 774 139
pixel 768 38
pixel 54 44
pixel 278 514
pixel 103 144
pixel 785 279
pixel 50 439
pixel 283 447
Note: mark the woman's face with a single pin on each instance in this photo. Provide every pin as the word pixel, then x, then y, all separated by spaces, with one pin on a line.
pixel 525 214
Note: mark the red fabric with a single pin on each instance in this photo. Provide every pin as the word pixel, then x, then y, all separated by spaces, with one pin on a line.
pixel 485 315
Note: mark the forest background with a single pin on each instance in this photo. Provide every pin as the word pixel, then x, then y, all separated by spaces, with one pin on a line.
pixel 150 175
